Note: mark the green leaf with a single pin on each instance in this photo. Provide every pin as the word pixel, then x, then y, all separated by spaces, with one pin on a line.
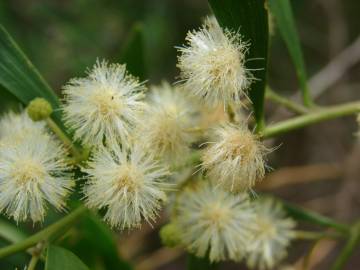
pixel 96 243
pixel 133 52
pixel 299 213
pixel 249 18
pixel 19 76
pixel 59 258
pixel 282 12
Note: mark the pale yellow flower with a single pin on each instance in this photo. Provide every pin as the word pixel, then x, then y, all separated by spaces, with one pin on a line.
pixel 33 174
pixel 128 183
pixel 273 233
pixel 234 158
pixel 165 129
pixel 103 106
pixel 215 222
pixel 212 65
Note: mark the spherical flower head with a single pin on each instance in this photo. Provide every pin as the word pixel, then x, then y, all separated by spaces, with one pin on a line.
pixel 235 158
pixel 215 222
pixel 165 128
pixel 39 109
pixel 33 174
pixel 212 64
pixel 14 126
pixel 273 233
pixel 104 105
pixel 128 183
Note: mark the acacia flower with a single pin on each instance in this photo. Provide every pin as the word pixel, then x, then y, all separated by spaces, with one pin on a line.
pixel 215 222
pixel 273 233
pixel 235 158
pixel 212 64
pixel 33 173
pixel 15 125
pixel 128 183
pixel 165 128
pixel 104 105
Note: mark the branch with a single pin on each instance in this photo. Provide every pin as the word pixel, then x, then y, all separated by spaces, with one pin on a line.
pixel 313 117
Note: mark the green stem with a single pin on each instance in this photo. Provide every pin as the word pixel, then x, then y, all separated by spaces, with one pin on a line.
pixel 307 100
pixel 287 103
pixel 313 117
pixel 352 242
pixel 306 215
pixel 44 235
pixel 64 138
pixel 33 262
pixel 306 235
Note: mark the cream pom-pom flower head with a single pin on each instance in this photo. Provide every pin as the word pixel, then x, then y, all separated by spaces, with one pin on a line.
pixel 212 64
pixel 273 233
pixel 214 222
pixel 104 105
pixel 15 125
pixel 33 173
pixel 128 183
pixel 235 158
pixel 165 129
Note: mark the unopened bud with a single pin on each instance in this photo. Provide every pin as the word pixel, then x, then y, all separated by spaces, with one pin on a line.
pixel 170 235
pixel 39 109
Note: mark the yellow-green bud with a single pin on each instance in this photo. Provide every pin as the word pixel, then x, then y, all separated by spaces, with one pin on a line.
pixel 39 109
pixel 170 235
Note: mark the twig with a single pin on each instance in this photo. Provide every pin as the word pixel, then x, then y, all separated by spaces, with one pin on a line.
pixel 311 118
pixel 287 103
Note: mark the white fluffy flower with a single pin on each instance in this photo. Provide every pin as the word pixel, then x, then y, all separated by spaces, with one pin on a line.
pixel 33 173
pixel 212 64
pixel 104 105
pixel 128 183
pixel 215 222
pixel 273 233
pixel 165 129
pixel 14 125
pixel 235 158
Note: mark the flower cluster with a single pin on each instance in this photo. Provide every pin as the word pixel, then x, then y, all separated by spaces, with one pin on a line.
pixel 223 225
pixel 137 140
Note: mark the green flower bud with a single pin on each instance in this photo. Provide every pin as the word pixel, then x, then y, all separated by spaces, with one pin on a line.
pixel 170 235
pixel 39 109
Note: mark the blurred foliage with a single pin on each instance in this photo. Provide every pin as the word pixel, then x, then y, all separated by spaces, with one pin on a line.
pixel 63 38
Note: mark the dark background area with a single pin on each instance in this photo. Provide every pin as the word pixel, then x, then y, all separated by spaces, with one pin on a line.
pixel 317 167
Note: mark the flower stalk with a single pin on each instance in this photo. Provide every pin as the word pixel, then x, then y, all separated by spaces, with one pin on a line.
pixel 64 138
